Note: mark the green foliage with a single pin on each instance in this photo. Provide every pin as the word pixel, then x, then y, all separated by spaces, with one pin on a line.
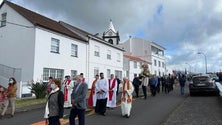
pixel 39 89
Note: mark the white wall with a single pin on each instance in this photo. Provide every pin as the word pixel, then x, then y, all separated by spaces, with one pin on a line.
pixel 157 68
pixel 45 59
pixel 101 62
pixel 133 70
pixel 17 43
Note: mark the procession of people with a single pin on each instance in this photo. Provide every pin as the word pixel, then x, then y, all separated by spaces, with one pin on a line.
pixel 73 93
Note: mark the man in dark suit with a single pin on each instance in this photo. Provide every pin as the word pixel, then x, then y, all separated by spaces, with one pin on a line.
pixel 78 98
pixel 136 84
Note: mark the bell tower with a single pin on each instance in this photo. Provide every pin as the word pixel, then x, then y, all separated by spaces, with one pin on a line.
pixel 111 35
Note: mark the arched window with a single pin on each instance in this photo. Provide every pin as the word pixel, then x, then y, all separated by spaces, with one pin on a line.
pixel 110 41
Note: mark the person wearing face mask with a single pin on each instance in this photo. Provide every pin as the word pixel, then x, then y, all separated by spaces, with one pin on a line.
pixel 10 97
pixel 54 105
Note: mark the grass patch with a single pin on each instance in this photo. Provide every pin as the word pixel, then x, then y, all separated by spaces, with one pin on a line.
pixel 27 102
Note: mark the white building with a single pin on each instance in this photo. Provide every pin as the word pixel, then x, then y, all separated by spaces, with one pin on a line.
pixel 151 52
pixel 132 65
pixel 103 56
pixel 34 47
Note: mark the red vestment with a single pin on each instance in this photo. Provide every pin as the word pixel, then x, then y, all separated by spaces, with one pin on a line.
pixel 110 88
pixel 66 83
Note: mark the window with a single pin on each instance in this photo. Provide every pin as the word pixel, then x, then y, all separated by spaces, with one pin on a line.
pixel 74 50
pixel 135 64
pixel 96 52
pixel 110 41
pixel 141 64
pixel 3 20
pixel 118 74
pixel 54 45
pixel 109 54
pixel 118 57
pixel 159 63
pixel 96 71
pixel 108 73
pixel 155 62
pixel 163 64
pixel 55 73
pixel 73 73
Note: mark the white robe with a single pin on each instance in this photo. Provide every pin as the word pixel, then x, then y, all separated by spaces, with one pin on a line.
pixel 112 103
pixel 70 88
pixel 102 84
pixel 145 81
pixel 126 106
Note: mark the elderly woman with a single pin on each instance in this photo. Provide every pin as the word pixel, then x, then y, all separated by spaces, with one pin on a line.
pixel 126 100
pixel 10 96
pixel 54 106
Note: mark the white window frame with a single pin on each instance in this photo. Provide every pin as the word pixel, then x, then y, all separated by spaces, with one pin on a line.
pixel 118 57
pixel 163 64
pixel 51 72
pixel 96 71
pixel 108 72
pixel 96 52
pixel 3 19
pixel 155 62
pixel 118 73
pixel 73 73
pixel 109 54
pixel 74 50
pixel 135 64
pixel 55 45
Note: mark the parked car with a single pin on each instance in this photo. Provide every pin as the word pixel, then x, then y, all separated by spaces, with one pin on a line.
pixel 215 78
pixel 202 84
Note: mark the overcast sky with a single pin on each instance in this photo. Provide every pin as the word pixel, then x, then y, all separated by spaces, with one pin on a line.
pixel 183 27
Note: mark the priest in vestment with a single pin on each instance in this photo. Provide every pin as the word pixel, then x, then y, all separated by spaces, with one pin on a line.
pixel 67 87
pixel 126 99
pixel 101 95
pixel 111 102
pixel 92 96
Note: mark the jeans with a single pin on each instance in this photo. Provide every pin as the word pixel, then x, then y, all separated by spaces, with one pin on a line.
pixel 182 90
pixel 7 102
pixel 81 116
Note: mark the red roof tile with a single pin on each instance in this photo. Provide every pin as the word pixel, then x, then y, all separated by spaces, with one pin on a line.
pixel 133 58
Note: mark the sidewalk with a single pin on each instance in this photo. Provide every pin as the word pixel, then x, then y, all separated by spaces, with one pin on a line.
pixel 29 108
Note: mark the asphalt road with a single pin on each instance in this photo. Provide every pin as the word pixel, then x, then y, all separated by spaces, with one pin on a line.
pixel 152 111
pixel 164 109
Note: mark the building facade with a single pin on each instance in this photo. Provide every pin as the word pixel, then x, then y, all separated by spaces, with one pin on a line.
pixel 34 47
pixel 132 65
pixel 151 52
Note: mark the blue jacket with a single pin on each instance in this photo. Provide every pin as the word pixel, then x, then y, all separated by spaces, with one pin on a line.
pixel 154 81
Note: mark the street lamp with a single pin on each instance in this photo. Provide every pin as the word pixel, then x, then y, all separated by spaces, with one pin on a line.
pixel 189 67
pixel 205 60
